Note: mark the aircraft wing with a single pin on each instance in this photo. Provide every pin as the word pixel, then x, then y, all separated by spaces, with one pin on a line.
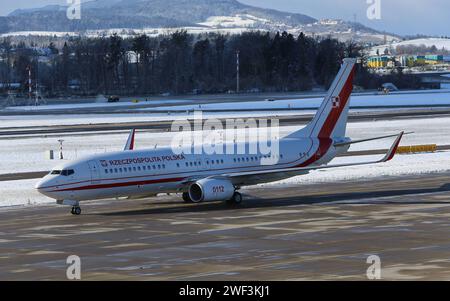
pixel 389 155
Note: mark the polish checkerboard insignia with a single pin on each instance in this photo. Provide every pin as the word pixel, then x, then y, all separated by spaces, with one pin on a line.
pixel 336 102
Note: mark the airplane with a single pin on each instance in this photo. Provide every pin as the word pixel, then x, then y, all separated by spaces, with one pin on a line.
pixel 200 178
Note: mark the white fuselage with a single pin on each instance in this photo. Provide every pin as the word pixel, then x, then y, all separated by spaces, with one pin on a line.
pixel 148 172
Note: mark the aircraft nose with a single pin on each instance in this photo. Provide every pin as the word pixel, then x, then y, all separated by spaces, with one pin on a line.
pixel 41 184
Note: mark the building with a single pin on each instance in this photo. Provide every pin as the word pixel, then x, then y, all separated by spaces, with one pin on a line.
pixel 384 61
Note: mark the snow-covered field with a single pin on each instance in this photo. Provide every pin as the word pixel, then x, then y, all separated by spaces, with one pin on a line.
pixel 24 155
pixel 360 101
pixel 48 120
pixel 21 193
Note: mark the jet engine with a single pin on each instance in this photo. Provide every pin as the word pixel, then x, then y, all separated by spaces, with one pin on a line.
pixel 211 190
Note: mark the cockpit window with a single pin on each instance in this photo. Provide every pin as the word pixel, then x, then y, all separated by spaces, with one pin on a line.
pixel 67 172
pixel 64 172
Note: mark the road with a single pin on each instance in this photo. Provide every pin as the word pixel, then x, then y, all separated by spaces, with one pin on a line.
pixel 320 232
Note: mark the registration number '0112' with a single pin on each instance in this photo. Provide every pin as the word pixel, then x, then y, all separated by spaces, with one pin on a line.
pixel 218 189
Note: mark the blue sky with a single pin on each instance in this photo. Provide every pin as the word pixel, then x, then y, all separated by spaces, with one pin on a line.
pixel 430 17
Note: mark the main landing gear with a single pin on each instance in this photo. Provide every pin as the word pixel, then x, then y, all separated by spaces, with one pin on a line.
pixel 76 210
pixel 186 197
pixel 236 199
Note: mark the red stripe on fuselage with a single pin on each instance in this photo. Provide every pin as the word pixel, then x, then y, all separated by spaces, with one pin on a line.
pixel 122 184
pixel 324 146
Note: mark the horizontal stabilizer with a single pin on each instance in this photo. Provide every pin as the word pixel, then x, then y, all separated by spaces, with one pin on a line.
pixel 367 140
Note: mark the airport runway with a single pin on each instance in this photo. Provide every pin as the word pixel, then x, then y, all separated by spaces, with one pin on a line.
pixel 150 102
pixel 287 233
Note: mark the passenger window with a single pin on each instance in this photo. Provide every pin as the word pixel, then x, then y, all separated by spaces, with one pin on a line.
pixel 120 169
pixel 159 166
pixel 111 171
pixel 115 170
pixel 144 167
pixel 106 171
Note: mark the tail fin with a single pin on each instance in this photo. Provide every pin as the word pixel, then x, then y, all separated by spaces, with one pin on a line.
pixel 130 141
pixel 331 118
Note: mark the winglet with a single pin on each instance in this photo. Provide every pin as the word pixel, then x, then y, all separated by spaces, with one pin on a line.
pixel 130 141
pixel 391 153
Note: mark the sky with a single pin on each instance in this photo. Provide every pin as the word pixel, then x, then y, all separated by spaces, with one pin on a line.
pixel 406 17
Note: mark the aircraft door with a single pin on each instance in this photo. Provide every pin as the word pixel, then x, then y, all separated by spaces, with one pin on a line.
pixel 95 171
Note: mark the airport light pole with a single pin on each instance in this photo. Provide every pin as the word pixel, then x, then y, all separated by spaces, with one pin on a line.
pixel 29 82
pixel 237 71
pixel 61 149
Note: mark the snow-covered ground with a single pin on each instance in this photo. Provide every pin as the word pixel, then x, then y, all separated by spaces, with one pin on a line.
pixel 24 155
pixel 49 120
pixel 21 193
pixel 360 101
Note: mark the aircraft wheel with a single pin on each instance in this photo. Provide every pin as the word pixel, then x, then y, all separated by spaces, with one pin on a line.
pixel 76 210
pixel 236 199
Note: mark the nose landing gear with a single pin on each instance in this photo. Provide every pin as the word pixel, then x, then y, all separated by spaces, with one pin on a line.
pixel 76 209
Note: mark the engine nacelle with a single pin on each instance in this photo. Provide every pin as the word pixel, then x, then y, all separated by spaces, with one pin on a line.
pixel 211 190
